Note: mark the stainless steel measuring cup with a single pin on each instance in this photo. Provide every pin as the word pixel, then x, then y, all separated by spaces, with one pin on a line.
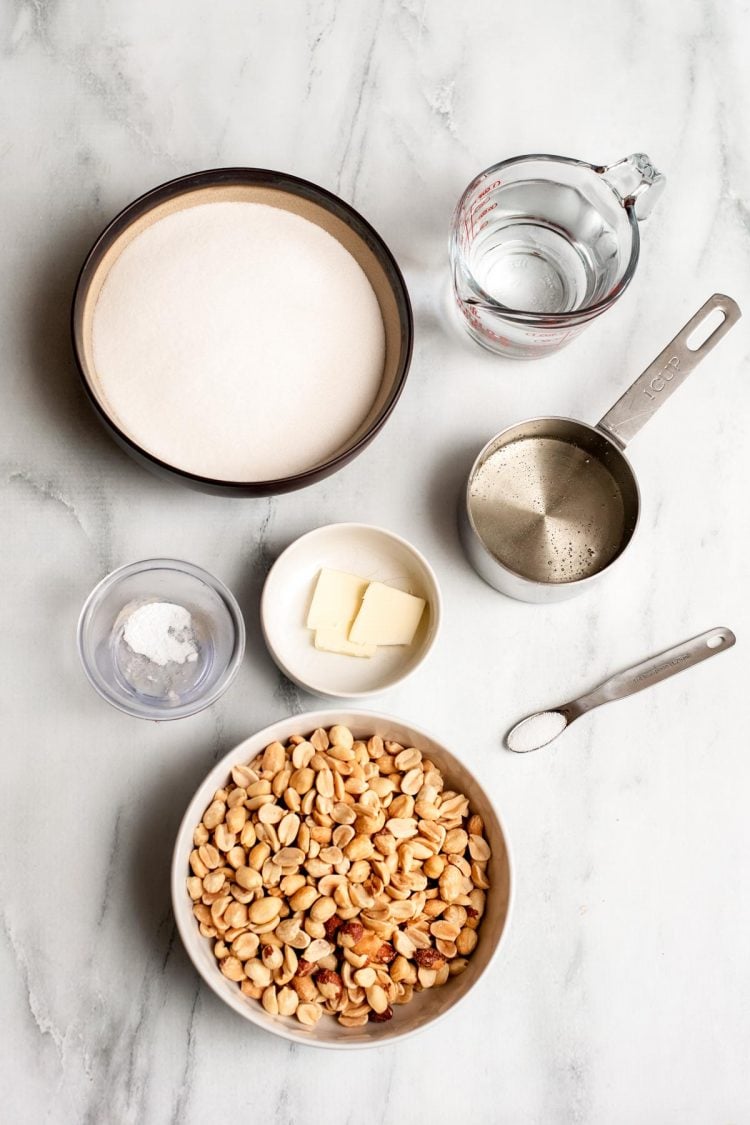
pixel 540 245
pixel 552 503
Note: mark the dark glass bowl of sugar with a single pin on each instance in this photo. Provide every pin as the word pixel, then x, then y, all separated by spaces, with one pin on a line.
pixel 161 639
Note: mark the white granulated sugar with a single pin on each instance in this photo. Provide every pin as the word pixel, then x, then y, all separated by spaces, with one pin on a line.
pixel 238 341
pixel 536 731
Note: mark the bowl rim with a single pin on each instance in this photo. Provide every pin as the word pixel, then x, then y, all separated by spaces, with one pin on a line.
pixel 284 181
pixel 179 864
pixel 233 608
pixel 435 603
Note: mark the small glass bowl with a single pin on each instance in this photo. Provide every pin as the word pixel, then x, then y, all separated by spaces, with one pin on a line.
pixel 109 663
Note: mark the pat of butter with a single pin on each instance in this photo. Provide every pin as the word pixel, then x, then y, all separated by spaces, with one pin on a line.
pixel 336 600
pixel 387 617
pixel 331 639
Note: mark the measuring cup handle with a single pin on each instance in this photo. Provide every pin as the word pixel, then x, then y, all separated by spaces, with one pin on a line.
pixel 656 669
pixel 668 371
pixel 636 183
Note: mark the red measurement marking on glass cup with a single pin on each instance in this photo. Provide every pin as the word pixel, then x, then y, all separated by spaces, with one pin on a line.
pixel 481 215
pixel 489 188
pixel 481 207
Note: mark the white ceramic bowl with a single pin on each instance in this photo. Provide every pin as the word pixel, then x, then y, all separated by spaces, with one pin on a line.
pixel 373 553
pixel 427 1006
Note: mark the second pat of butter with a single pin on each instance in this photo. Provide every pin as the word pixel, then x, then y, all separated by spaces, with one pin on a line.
pixel 386 617
pixel 336 600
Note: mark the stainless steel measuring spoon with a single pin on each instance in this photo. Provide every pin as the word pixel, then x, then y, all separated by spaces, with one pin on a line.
pixel 544 727
pixel 551 503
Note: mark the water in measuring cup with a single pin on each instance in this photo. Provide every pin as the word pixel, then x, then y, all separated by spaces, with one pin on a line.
pixel 542 248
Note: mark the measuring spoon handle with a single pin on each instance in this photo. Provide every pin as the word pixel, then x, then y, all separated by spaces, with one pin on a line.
pixel 668 371
pixel 655 669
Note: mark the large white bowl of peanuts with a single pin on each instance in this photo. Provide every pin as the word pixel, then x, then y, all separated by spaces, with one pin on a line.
pixel 341 879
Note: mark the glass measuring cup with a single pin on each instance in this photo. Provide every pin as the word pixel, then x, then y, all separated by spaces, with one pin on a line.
pixel 540 245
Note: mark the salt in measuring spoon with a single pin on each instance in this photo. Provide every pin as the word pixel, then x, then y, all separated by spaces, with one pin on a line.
pixel 544 727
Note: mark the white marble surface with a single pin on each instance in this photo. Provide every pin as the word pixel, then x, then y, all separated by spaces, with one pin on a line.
pixel 623 994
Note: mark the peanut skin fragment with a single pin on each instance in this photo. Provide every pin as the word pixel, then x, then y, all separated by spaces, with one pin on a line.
pixel 429 958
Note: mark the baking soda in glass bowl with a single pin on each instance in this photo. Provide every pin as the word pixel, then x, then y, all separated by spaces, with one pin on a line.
pixel 161 650
pixel 161 639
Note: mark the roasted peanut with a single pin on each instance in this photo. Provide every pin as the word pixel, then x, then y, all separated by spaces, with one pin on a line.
pixel 264 910
pixel 309 1014
pixel 232 968
pixel 287 1000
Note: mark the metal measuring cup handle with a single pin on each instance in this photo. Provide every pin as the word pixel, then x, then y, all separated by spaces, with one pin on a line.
pixel 667 372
